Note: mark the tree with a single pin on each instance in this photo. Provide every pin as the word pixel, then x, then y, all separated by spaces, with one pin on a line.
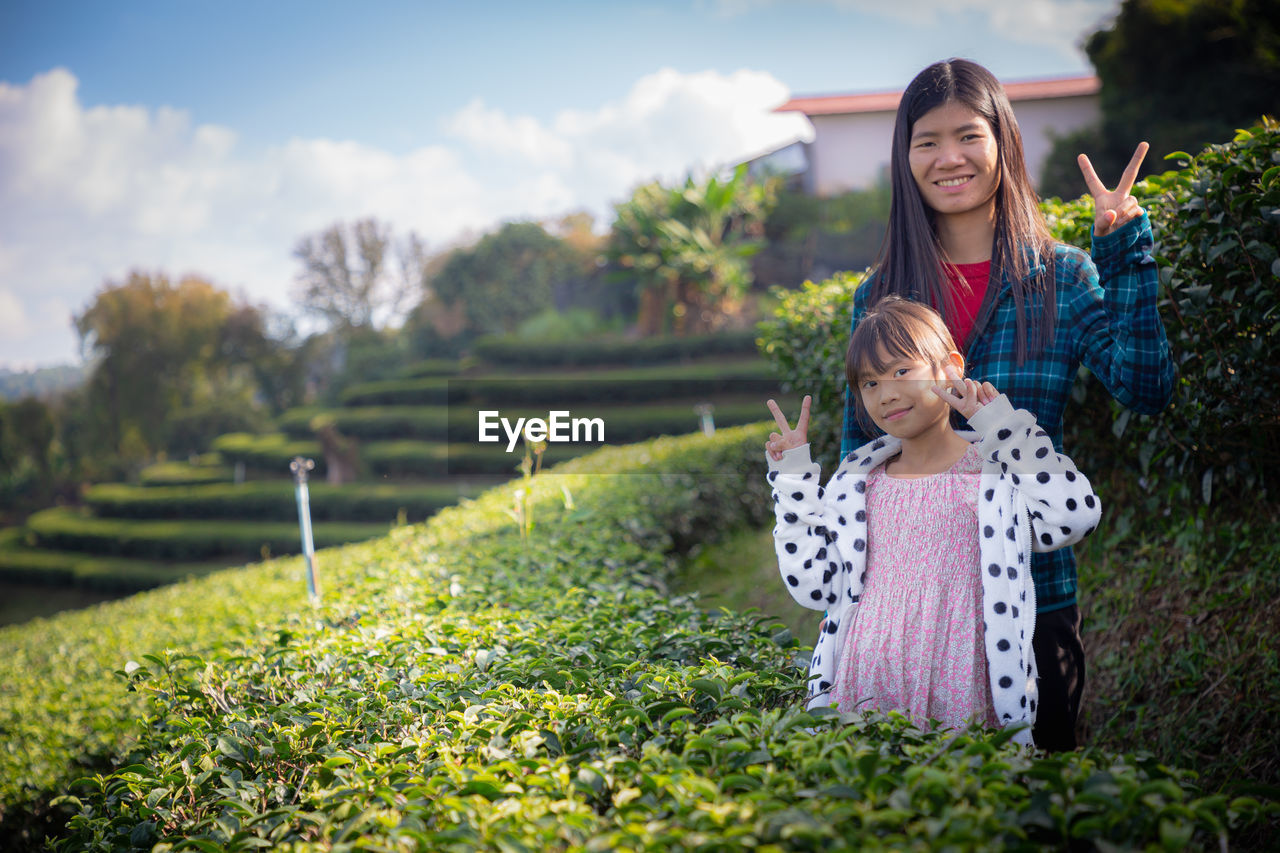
pixel 356 276
pixel 1178 73
pixel 688 248
pixel 506 277
pixel 160 349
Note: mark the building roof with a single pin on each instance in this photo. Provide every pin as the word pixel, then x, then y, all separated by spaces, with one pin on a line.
pixel 872 102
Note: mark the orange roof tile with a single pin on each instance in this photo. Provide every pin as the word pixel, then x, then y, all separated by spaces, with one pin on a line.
pixel 871 102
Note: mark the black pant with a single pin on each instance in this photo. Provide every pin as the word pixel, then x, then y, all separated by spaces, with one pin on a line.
pixel 1060 661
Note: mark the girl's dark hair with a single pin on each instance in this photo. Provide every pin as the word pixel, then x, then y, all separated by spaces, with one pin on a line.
pixel 912 261
pixel 891 329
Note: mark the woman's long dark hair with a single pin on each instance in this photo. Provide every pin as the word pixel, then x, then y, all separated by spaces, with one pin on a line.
pixel 912 261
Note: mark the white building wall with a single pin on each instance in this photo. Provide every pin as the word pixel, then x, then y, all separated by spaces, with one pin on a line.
pixel 1040 121
pixel 850 150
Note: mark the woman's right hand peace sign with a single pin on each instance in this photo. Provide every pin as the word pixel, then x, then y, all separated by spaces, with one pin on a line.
pixel 1113 208
pixel 787 437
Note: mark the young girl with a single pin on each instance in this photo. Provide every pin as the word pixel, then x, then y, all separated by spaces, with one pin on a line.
pixel 919 547
pixel 966 236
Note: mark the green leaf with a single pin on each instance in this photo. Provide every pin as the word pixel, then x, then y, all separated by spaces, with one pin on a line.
pixel 231 748
pixel 676 713
pixel 1220 248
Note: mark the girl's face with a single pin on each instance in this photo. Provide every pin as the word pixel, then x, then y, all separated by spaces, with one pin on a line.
pixel 954 160
pixel 900 400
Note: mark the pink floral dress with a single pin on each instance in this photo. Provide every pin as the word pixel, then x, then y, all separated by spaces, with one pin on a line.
pixel 915 644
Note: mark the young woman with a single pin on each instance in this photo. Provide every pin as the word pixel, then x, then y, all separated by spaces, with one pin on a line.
pixel 919 546
pixel 966 236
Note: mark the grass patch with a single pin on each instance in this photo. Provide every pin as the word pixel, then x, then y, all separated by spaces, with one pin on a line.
pixel 741 572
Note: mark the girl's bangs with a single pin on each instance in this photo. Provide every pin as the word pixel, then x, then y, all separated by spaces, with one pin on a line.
pixel 887 343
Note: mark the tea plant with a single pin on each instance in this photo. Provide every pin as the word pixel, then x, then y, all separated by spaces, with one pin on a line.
pixel 463 686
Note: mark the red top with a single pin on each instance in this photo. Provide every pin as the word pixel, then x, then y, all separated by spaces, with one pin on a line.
pixel 967 303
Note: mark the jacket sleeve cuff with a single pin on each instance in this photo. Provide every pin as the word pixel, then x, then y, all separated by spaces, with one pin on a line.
pixel 991 415
pixel 1112 249
pixel 793 461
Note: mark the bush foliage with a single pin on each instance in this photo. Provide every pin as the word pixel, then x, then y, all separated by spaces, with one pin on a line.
pixel 465 686
pixel 514 352
pixel 60 528
pixel 272 500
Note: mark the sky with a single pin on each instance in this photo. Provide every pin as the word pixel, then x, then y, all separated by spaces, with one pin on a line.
pixel 198 137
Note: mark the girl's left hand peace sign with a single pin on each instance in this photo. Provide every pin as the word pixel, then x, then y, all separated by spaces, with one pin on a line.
pixel 1113 208
pixel 966 396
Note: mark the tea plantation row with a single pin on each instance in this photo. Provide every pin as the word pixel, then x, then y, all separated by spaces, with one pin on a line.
pixel 464 686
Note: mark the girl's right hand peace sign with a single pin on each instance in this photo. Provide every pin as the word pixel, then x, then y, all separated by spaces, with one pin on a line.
pixel 788 438
pixel 1113 208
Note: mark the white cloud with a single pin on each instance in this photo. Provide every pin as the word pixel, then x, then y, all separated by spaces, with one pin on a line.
pixel 667 124
pixel 13 317
pixel 1056 24
pixel 87 194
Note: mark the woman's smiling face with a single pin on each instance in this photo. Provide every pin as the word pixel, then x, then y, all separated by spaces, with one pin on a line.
pixel 954 160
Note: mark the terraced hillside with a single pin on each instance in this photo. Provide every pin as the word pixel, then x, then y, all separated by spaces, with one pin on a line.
pixel 416 450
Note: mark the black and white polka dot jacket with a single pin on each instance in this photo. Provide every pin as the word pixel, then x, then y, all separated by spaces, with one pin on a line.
pixel 1031 499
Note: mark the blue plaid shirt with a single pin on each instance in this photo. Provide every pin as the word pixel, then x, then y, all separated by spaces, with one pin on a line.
pixel 1114 331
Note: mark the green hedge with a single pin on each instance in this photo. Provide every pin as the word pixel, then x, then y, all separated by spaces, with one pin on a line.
pixel 272 453
pixel 272 501
pixel 1217 225
pixel 619 385
pixel 184 474
pixel 429 391
pixel 463 686
pixel 185 540
pixel 512 352
pixel 268 454
pixel 431 367
pixel 429 423
pixel 101 574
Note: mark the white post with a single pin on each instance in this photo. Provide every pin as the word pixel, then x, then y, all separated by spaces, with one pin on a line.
pixel 706 421
pixel 300 467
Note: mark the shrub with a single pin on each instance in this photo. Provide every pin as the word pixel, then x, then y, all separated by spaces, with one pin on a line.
pixel 512 351
pixel 634 384
pixel 270 453
pixel 806 339
pixel 430 423
pixel 462 687
pixel 423 391
pixel 183 474
pixel 432 367
pixel 272 500
pixel 185 540
pixel 1219 222
pixel 117 575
